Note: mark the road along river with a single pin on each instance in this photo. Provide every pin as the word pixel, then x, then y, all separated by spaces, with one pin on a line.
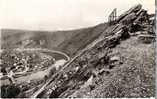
pixel 38 74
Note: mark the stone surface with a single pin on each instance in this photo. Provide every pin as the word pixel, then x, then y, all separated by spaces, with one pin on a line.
pixel 128 18
pixel 134 9
pixel 146 38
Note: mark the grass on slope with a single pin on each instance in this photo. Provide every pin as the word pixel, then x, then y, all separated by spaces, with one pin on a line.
pixel 66 41
pixel 134 78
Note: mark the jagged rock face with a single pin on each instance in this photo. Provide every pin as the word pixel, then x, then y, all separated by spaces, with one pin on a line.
pixel 135 16
pixel 134 9
pixel 137 19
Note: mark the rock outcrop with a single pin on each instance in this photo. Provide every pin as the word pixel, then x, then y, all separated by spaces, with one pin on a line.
pixel 137 19
pixel 131 11
pixel 98 61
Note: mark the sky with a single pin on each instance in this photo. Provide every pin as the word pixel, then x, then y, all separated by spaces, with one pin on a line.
pixel 62 14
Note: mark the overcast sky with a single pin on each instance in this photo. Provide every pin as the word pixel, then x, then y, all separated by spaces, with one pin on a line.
pixel 62 14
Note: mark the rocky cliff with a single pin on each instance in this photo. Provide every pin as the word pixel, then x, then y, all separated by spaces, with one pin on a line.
pixel 121 64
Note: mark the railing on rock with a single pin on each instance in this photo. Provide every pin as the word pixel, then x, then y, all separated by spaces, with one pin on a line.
pixel 112 17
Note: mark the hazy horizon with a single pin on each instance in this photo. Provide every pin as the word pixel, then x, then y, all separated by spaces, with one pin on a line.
pixel 62 14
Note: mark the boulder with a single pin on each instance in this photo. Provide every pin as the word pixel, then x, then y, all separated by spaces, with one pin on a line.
pixel 145 38
pixel 113 41
pixel 124 34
